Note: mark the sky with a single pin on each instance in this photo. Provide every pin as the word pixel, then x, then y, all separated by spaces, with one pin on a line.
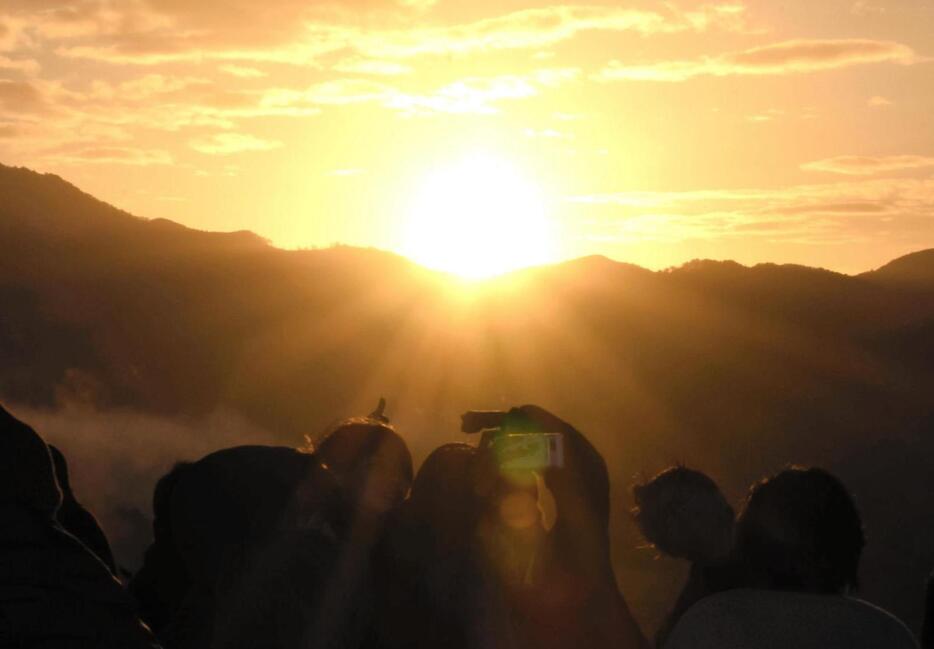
pixel 651 132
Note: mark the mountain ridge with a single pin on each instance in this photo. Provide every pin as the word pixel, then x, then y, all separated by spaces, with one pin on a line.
pixel 58 185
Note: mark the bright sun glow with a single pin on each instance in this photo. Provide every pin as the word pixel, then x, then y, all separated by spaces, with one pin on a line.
pixel 477 218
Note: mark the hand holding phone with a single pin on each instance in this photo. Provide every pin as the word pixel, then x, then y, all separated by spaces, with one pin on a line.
pixel 529 451
pixel 517 442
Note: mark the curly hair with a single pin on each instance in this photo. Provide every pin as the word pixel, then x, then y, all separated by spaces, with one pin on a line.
pixel 683 513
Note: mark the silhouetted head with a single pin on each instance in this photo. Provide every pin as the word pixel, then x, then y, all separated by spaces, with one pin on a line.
pixel 801 531
pixel 444 493
pixel 26 473
pixel 162 493
pixel 683 513
pixel 446 475
pixel 370 460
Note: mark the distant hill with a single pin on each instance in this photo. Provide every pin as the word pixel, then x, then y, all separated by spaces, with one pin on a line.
pixel 736 370
pixel 913 271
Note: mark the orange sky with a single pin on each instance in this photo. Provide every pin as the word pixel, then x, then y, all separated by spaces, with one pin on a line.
pixel 654 132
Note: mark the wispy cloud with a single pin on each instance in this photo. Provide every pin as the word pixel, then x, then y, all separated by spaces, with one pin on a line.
pixel 372 67
pixel 477 95
pixel 879 102
pixel 866 8
pixel 789 57
pixel 421 5
pixel 825 214
pixel 228 143
pixel 241 71
pixel 861 165
pixel 120 155
pixel 26 66
pixel 535 28
pixel 20 97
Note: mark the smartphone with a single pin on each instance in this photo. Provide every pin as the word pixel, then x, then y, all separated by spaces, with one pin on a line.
pixel 529 451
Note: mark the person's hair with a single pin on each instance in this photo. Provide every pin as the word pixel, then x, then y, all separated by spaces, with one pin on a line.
pixel 444 493
pixel 684 515
pixel 355 441
pixel 448 468
pixel 801 531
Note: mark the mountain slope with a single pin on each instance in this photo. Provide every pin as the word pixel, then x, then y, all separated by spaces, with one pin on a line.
pixel 915 270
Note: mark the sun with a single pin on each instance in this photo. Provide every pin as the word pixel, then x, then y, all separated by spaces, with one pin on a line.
pixel 478 217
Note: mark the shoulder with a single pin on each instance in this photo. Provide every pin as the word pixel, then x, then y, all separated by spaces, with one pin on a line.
pixel 723 619
pixel 881 622
pixel 724 602
pixel 709 622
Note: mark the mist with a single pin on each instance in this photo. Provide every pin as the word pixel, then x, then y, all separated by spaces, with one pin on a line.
pixel 115 458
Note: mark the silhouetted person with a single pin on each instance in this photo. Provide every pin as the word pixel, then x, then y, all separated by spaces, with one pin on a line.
pixel 54 592
pixel 273 593
pixel 251 537
pixel 799 541
pixel 371 462
pixel 209 516
pixel 76 519
pixel 432 589
pixel 558 584
pixel 684 515
pixel 162 582
pixel 373 468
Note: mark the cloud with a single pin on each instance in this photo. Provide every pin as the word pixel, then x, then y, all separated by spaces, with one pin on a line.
pixel 160 87
pixel 21 97
pixel 25 66
pixel 242 71
pixel 789 57
pixel 879 102
pixel 856 165
pixel 767 115
pixel 476 95
pixel 542 27
pixel 826 214
pixel 865 8
pixel 346 91
pixel 239 32
pixel 471 95
pixel 547 133
pixel 97 123
pixel 420 5
pixel 113 155
pixel 373 67
pixel 228 143
pixel 165 102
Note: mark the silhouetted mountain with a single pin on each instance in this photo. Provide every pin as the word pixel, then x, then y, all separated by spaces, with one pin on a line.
pixel 912 271
pixel 736 370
